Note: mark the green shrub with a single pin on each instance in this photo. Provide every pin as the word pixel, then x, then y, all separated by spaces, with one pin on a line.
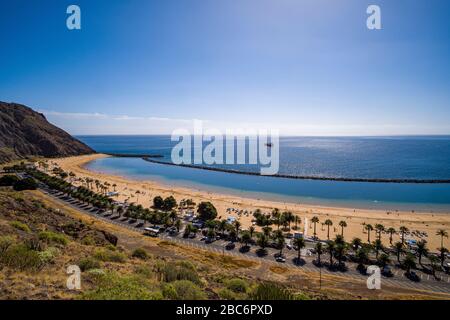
pixel 5 243
pixel 271 291
pixel 111 286
pixel 107 255
pixel 8 180
pixel 187 290
pixel 145 271
pixel 169 292
pixel 227 294
pixel 52 237
pixel 88 264
pixel 111 247
pixel 88 241
pixel 20 226
pixel 237 285
pixel 96 272
pixel 48 255
pixel 140 254
pixel 20 257
pixel 181 271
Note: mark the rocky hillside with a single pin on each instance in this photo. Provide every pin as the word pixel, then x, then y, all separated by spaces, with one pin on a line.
pixel 24 133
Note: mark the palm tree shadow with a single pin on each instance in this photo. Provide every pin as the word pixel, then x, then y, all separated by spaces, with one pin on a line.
pixel 317 263
pixel 332 268
pixel 299 262
pixel 261 252
pixel 244 249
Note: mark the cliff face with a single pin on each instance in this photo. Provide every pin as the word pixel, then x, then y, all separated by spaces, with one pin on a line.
pixel 24 132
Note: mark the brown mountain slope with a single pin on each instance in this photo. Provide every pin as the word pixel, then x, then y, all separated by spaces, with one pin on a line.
pixel 24 132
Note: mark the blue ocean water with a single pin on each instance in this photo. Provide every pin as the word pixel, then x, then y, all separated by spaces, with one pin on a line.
pixel 425 157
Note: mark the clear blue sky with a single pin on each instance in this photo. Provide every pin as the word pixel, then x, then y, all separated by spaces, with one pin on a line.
pixel 306 67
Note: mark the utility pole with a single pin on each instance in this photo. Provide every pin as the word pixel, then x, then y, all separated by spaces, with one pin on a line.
pixel 320 278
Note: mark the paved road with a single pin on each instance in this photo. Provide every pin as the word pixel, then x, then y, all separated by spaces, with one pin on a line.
pixel 427 282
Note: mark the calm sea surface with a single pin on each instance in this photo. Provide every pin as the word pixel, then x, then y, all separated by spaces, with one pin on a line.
pixel 426 157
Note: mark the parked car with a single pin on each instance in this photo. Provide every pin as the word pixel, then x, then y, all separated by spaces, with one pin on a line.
pixel 280 258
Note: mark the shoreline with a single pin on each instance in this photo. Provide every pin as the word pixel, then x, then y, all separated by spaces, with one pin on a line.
pixel 424 221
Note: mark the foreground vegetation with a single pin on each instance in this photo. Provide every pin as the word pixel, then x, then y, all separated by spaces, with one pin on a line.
pixel 38 243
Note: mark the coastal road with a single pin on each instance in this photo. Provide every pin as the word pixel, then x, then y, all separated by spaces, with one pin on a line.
pixel 426 283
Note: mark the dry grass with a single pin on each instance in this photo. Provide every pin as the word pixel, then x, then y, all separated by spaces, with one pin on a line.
pixel 278 270
pixel 333 286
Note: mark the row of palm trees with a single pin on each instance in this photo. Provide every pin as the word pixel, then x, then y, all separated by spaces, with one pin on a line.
pixel 378 228
pixel 276 217
pixel 338 249
pixel 80 193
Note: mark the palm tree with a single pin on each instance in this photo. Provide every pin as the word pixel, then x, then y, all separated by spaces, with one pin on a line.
pixel 399 250
pixel 328 223
pixel 188 229
pixel 363 227
pixel 391 232
pixel 434 261
pixel 331 247
pixel 422 250
pixel 276 216
pixel 315 220
pixel 262 241
pixel 409 262
pixel 379 228
pixel 288 217
pixel 442 233
pixel 120 211
pixel 178 224
pixel 245 238
pixel 281 242
pixel 443 251
pixel 340 251
pixel 300 244
pixel 343 225
pixel 319 251
pixel 223 226
pixel 368 228
pixel 377 245
pixel 237 226
pixel 363 256
pixel 251 229
pixel 356 243
pixel 297 220
pixel 137 195
pixel 403 230
pixel 267 230
pixel 383 260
